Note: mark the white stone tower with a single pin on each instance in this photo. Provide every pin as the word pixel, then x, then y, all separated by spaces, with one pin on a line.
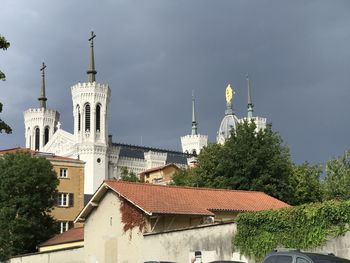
pixel 40 123
pixel 194 142
pixel 90 110
pixel 230 120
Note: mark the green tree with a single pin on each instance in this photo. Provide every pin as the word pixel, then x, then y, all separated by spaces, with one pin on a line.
pixel 3 126
pixel 27 188
pixel 128 176
pixel 336 184
pixel 4 44
pixel 305 181
pixel 249 160
pixel 184 177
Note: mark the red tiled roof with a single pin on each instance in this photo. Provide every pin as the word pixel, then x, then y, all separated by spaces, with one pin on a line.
pixel 159 199
pixel 158 168
pixel 72 235
pixel 36 153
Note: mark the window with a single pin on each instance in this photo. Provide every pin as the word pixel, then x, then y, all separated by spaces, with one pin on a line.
pixel 302 260
pixel 65 199
pixel 79 116
pixel 46 135
pixel 279 259
pixel 65 226
pixel 37 139
pixel 98 117
pixel 63 172
pixel 87 117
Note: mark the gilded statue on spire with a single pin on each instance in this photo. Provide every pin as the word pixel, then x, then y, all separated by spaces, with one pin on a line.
pixel 229 93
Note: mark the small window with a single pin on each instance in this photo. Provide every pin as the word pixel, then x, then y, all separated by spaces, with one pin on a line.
pixel 302 260
pixel 98 118
pixel 65 226
pixel 63 173
pixel 37 139
pixel 62 199
pixel 46 135
pixel 87 117
pixel 65 199
pixel 279 259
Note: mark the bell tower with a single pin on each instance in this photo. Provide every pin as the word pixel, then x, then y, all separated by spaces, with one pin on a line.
pixel 90 111
pixel 40 123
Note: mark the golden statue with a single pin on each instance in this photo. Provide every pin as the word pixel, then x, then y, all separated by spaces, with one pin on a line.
pixel 229 93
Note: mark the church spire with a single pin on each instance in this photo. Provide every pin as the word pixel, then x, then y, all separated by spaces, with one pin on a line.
pixel 42 99
pixel 250 105
pixel 194 123
pixel 91 71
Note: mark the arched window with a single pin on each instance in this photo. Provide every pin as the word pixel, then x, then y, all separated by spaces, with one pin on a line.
pixel 98 117
pixel 87 117
pixel 37 139
pixel 79 117
pixel 46 135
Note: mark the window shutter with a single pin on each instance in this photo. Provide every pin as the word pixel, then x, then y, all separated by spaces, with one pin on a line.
pixel 71 199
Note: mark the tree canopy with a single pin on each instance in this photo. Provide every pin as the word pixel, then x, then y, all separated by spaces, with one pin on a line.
pixel 3 126
pixel 336 184
pixel 27 189
pixel 248 160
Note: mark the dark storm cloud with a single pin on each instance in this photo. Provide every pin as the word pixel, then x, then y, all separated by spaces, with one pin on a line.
pixel 154 53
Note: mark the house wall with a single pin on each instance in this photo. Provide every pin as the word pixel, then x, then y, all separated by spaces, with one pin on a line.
pixel 75 255
pixel 339 246
pixel 105 240
pixel 74 183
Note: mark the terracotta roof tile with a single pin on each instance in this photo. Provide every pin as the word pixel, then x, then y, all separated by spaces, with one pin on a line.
pixel 159 168
pixel 40 154
pixel 159 199
pixel 72 235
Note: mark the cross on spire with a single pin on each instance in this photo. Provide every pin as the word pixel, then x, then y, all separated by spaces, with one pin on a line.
pixel 250 105
pixel 194 122
pixel 91 71
pixel 42 99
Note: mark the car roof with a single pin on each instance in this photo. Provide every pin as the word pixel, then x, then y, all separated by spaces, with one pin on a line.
pixel 315 257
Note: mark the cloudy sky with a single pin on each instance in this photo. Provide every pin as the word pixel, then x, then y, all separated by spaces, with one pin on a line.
pixel 154 53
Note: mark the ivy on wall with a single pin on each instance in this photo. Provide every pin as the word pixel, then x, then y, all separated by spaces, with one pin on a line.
pixel 300 227
pixel 131 217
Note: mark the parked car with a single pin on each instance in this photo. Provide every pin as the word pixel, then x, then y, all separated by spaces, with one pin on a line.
pixel 296 256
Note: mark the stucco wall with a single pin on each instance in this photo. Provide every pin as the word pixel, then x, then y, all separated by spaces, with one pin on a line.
pixel 105 240
pixel 75 255
pixel 339 246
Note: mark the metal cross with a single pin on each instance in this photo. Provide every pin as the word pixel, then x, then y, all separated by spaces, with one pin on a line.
pixel 43 67
pixel 92 37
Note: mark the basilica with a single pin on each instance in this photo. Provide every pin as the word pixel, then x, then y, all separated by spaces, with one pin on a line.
pixel 91 142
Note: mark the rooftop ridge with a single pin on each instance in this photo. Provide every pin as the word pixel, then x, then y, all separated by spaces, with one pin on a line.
pixel 150 148
pixel 186 187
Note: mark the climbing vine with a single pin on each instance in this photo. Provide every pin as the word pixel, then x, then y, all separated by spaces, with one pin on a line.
pixel 300 227
pixel 131 217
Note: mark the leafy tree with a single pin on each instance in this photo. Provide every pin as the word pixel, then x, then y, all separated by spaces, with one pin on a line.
pixel 128 176
pixel 249 160
pixel 305 181
pixel 3 45
pixel 3 126
pixel 27 189
pixel 336 184
pixel 185 177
